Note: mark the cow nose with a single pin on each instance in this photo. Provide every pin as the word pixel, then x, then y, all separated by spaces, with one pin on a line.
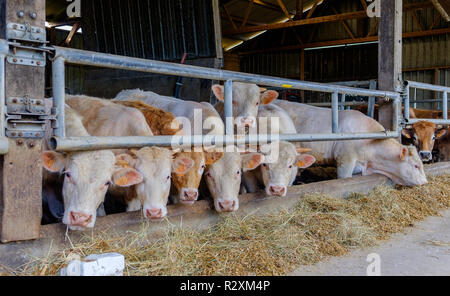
pixel 190 195
pixel 247 121
pixel 425 155
pixel 227 205
pixel 154 213
pixel 80 219
pixel 277 190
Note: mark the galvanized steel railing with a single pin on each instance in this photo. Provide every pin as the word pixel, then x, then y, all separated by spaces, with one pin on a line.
pixel 79 57
pixel 431 87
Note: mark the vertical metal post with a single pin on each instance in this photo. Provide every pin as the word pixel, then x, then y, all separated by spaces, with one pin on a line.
pixel 58 78
pixel 2 95
pixel 407 100
pixel 342 107
pixel 229 128
pixel 335 112
pixel 371 106
pixel 445 105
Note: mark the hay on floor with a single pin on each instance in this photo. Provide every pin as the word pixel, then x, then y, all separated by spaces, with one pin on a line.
pixel 276 244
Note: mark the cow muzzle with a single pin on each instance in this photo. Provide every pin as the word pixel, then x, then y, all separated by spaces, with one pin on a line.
pixel 79 219
pixel 189 196
pixel 227 206
pixel 247 121
pixel 277 190
pixel 155 213
pixel 426 156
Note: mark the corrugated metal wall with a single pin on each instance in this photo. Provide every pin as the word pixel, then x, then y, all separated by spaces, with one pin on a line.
pixel 151 29
pixel 359 62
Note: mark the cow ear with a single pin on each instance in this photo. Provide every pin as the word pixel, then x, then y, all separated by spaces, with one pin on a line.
pixel 212 157
pixel 125 177
pixel 407 133
pixel 53 161
pixel 125 161
pixel 251 161
pixel 268 97
pixel 440 134
pixel 218 91
pixel 403 153
pixel 305 161
pixel 301 150
pixel 181 165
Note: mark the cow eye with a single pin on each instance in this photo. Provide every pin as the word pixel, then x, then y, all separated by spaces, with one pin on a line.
pixel 108 183
pixel 168 178
pixel 417 167
pixel 291 166
pixel 257 104
pixel 68 174
pixel 238 172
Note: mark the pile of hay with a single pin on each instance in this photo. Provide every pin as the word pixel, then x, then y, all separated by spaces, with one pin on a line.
pixel 274 244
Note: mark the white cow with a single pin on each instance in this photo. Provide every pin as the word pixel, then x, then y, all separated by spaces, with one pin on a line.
pixel 278 174
pixel 105 118
pixel 197 119
pixel 387 157
pixel 247 98
pixel 87 176
pixel 223 178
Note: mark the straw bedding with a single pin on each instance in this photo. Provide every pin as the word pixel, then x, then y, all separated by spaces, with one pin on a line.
pixel 272 244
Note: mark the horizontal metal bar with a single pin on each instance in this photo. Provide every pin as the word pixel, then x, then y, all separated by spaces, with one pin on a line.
pixel 87 58
pixel 426 86
pixel 340 104
pixel 4 145
pixel 435 121
pixel 98 143
pixel 357 83
pixel 427 101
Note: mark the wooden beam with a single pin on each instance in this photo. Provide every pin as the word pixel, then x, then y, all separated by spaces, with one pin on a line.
pixel 344 24
pixel 390 56
pixel 267 5
pixel 443 6
pixel 317 20
pixel 299 9
pixel 415 17
pixel 313 8
pixel 217 29
pixel 240 19
pixel 284 9
pixel 345 41
pixel 72 33
pixel 21 168
pixel 229 17
pixel 247 14
pixel 373 28
pixel 435 21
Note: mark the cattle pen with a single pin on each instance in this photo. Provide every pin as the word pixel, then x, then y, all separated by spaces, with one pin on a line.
pixel 106 47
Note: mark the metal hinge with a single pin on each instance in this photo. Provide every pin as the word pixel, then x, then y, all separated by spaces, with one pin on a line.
pixel 27 44
pixel 26 117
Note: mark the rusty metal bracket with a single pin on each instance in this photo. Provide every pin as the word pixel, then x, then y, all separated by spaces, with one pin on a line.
pixel 26 118
pixel 27 45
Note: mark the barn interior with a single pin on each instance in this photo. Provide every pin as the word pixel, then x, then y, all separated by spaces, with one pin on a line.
pixel 331 41
pixel 326 41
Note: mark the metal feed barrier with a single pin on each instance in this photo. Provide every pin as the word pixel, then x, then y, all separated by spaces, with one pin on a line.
pixel 63 56
pixel 79 57
pixel 431 87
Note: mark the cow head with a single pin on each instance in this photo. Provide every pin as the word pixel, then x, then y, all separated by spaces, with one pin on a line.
pixel 186 184
pixel 224 178
pixel 400 163
pixel 87 178
pixel 281 173
pixel 246 100
pixel 423 134
pixel 156 166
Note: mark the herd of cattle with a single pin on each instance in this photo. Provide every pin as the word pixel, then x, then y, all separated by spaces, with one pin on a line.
pixel 76 184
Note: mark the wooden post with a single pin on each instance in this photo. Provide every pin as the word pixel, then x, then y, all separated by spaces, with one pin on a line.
pixel 300 8
pixel 390 55
pixel 21 168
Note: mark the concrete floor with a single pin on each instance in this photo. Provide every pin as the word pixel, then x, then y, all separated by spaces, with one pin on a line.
pixel 422 250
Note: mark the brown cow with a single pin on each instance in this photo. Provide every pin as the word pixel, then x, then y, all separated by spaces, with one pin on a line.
pixel 423 134
pixel 443 147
